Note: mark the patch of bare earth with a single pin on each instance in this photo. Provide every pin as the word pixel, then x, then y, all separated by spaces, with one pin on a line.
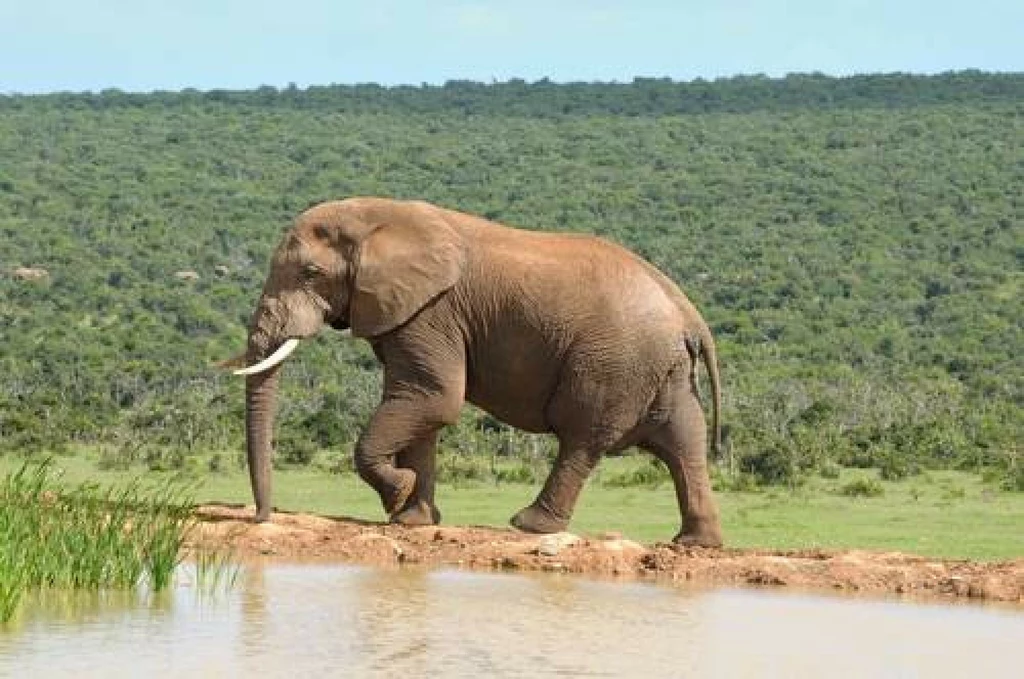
pixel 305 536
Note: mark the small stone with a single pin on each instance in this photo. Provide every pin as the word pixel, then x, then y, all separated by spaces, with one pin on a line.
pixel 622 545
pixel 28 273
pixel 551 545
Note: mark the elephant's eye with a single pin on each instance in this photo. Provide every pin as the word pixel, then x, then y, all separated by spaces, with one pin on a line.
pixel 311 272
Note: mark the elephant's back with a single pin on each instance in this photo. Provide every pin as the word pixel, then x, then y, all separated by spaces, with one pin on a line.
pixel 578 283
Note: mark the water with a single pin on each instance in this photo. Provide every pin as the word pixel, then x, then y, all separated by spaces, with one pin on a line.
pixel 302 620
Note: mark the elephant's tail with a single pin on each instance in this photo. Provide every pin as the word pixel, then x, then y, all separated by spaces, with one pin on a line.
pixel 704 349
pixel 701 347
pixel 710 356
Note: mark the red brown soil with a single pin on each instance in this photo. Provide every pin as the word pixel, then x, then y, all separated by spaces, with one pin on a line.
pixel 305 536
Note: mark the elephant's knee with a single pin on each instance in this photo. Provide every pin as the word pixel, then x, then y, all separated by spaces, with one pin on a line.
pixel 367 466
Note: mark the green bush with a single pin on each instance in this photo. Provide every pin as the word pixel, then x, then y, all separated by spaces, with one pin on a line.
pixel 111 457
pixel 523 471
pixel 896 467
pixel 294 451
pixel 216 464
pixel 829 470
pixel 1014 480
pixel 162 459
pixel 455 468
pixel 953 493
pixel 1009 479
pixel 772 466
pixel 337 462
pixel 862 487
pixel 739 482
pixel 650 474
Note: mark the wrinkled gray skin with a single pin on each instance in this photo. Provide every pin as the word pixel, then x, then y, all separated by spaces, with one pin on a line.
pixel 567 334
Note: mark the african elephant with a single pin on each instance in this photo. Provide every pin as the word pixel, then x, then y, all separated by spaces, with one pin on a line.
pixel 568 334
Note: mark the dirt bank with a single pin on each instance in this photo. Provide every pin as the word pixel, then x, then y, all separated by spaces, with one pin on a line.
pixel 308 536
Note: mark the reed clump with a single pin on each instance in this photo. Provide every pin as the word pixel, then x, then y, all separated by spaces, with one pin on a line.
pixel 87 536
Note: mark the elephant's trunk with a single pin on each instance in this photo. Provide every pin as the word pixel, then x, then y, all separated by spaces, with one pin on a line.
pixel 260 398
pixel 260 406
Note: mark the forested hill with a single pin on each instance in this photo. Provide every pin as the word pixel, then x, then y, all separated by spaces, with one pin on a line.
pixel 856 243
pixel 642 97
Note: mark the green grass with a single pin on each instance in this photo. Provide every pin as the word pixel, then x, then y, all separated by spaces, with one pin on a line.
pixel 85 536
pixel 944 514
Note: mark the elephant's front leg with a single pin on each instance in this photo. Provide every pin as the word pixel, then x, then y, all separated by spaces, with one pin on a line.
pixel 420 457
pixel 401 430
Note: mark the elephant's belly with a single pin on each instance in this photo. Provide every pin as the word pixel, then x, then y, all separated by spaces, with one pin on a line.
pixel 514 384
pixel 521 416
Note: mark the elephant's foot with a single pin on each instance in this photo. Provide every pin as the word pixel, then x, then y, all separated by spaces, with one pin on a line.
pixel 418 513
pixel 534 519
pixel 699 535
pixel 399 488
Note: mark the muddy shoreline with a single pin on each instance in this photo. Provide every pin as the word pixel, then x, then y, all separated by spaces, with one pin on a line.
pixel 307 536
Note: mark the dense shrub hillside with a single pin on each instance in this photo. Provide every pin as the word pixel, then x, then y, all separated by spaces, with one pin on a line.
pixel 857 245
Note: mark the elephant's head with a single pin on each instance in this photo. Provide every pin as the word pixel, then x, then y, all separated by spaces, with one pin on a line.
pixel 365 264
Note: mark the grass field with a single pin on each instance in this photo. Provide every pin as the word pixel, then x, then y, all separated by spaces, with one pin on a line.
pixel 947 514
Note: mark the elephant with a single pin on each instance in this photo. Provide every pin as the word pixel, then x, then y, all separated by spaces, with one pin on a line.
pixel 567 334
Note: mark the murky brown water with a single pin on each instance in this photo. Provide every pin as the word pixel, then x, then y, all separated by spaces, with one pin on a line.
pixel 298 621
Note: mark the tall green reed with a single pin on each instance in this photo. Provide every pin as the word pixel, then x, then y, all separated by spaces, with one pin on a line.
pixel 215 571
pixel 86 537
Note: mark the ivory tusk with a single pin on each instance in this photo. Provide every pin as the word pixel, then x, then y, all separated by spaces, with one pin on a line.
pixel 269 362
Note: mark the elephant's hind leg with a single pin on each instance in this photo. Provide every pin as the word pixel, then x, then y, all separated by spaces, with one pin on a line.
pixel 420 456
pixel 681 443
pixel 592 412
pixel 551 511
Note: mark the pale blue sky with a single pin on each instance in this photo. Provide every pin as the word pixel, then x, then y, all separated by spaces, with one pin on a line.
pixel 141 45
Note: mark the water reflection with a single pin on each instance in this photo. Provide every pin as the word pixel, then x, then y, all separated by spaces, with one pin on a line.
pixel 346 621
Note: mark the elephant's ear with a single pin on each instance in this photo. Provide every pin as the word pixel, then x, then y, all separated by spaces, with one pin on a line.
pixel 403 264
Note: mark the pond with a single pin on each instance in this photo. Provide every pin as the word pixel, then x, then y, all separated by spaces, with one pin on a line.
pixel 332 620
